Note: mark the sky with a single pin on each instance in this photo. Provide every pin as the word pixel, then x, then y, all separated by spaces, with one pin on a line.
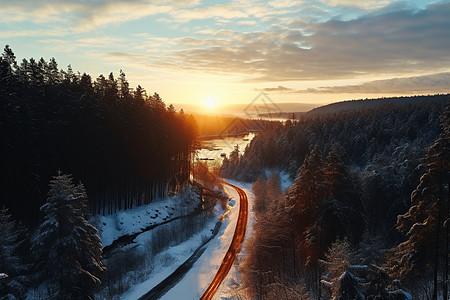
pixel 194 51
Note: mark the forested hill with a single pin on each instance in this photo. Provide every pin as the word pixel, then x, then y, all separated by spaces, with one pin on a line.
pixel 356 105
pixel 122 144
pixel 368 205
pixel 382 146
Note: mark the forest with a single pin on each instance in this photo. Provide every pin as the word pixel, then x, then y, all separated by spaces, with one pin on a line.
pixel 367 215
pixel 72 147
pixel 127 147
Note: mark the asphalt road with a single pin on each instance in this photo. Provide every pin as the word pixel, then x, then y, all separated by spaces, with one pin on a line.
pixel 168 283
pixel 238 238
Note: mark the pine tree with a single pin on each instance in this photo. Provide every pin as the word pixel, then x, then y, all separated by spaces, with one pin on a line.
pixel 305 200
pixel 342 212
pixel 68 247
pixel 425 224
pixel 307 196
pixel 336 261
pixel 10 262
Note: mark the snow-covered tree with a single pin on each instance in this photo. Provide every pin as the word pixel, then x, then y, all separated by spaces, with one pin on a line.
pixel 336 261
pixel 304 202
pixel 69 251
pixel 426 222
pixel 11 263
pixel 342 212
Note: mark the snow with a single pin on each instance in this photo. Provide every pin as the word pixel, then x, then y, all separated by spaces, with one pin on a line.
pixel 166 263
pixel 285 178
pixel 111 227
pixel 195 282
pixel 230 286
pixel 200 276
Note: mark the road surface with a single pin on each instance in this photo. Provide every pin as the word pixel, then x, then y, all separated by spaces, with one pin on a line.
pixel 238 238
pixel 168 283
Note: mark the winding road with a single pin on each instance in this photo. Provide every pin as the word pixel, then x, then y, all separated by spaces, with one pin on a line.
pixel 238 238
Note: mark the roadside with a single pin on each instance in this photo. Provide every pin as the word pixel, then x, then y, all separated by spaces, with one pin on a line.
pixel 167 262
pixel 204 270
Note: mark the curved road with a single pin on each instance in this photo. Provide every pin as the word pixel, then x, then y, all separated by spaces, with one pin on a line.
pixel 238 238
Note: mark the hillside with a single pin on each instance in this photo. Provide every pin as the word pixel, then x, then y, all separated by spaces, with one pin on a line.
pixel 365 200
pixel 362 104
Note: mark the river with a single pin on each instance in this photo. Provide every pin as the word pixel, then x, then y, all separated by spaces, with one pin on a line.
pixel 214 150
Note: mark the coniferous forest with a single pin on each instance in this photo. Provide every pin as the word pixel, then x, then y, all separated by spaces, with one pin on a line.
pixel 124 145
pixel 367 215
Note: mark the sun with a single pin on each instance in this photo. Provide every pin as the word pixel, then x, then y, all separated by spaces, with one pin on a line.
pixel 210 102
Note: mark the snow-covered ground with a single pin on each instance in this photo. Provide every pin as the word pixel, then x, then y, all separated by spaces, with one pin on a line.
pixel 167 261
pixel 200 276
pixel 111 227
pixel 203 271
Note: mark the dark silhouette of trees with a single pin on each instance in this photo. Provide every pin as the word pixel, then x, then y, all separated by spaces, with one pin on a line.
pixel 124 145
pixel 67 247
pixel 11 262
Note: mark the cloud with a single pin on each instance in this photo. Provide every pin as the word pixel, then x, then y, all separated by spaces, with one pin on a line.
pixel 279 89
pixel 427 84
pixel 367 4
pixel 404 41
pixel 118 12
pixel 195 42
pixel 285 3
pixel 224 11
pixel 246 23
pixel 27 10
pixel 36 32
pixel 123 55
pixel 221 32
pixel 85 16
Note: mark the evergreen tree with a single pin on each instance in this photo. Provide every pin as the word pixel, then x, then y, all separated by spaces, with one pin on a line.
pixel 259 190
pixel 307 195
pixel 122 145
pixel 342 213
pixel 11 238
pixel 426 222
pixel 305 200
pixel 68 248
pixel 336 261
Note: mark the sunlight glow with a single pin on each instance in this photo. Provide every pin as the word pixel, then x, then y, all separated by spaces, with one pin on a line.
pixel 210 102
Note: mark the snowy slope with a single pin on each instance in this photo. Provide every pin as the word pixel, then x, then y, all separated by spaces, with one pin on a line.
pixel 111 227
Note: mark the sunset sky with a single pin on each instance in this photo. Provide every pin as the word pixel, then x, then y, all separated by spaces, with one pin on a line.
pixel 229 51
